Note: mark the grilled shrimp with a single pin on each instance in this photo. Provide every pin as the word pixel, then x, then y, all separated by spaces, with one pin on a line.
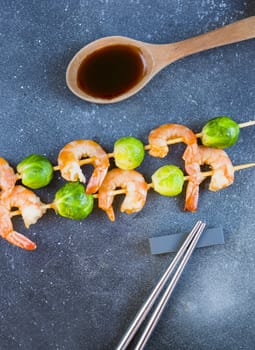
pixel 159 137
pixel 68 161
pixel 7 178
pixel 223 174
pixel 31 210
pixel 132 182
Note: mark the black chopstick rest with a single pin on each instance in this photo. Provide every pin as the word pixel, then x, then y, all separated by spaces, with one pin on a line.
pixel 171 243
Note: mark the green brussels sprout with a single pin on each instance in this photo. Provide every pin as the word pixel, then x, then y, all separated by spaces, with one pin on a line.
pixel 220 132
pixel 168 180
pixel 35 171
pixel 128 152
pixel 72 202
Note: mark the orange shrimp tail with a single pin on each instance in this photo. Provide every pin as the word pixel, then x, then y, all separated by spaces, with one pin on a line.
pixel 192 194
pixel 20 241
pixel 110 213
pixel 96 180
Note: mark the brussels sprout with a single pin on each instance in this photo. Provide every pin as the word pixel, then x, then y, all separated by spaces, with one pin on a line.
pixel 128 152
pixel 36 171
pixel 220 132
pixel 168 180
pixel 72 202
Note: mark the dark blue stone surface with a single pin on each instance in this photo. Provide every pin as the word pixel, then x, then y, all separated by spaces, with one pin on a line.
pixel 85 282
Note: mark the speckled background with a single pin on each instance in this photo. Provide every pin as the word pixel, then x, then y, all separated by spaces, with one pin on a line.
pixel 84 283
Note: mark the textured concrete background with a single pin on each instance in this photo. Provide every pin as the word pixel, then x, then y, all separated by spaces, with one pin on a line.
pixel 84 283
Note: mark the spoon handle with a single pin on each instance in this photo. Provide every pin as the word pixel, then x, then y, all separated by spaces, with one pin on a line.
pixel 229 34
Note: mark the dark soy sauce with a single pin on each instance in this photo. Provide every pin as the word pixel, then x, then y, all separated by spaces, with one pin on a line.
pixel 111 71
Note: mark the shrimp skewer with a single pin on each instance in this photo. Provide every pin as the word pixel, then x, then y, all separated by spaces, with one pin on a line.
pixel 31 209
pixel 149 186
pixel 170 141
pixel 133 186
pixel 69 166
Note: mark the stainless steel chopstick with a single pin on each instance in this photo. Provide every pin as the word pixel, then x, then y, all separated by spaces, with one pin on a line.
pixel 168 292
pixel 146 307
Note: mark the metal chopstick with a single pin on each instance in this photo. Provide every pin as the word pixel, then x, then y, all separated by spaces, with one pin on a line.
pixel 163 301
pixel 146 307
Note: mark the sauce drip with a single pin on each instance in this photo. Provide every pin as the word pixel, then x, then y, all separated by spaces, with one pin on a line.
pixel 111 71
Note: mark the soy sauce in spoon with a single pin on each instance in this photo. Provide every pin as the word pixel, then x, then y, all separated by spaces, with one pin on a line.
pixel 111 71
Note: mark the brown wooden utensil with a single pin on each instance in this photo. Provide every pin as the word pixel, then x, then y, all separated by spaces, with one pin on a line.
pixel 107 84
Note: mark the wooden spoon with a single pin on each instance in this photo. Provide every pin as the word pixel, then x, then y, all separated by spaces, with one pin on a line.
pixel 156 57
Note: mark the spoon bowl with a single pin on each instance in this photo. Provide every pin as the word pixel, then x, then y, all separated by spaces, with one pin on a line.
pixel 145 53
pixel 156 57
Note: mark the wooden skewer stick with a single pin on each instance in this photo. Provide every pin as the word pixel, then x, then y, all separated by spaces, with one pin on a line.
pixel 86 161
pixel 236 168
pixel 18 212
pixel 81 162
pixel 121 191
pixel 245 124
pixel 148 147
